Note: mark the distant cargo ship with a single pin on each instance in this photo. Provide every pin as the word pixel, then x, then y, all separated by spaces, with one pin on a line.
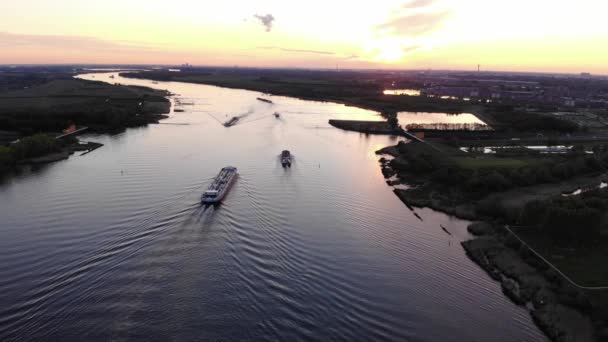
pixel 264 100
pixel 232 121
pixel 220 186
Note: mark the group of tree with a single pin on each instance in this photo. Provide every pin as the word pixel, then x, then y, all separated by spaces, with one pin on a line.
pixel 577 217
pixel 98 114
pixel 484 181
pixel 480 182
pixel 511 119
pixel 29 147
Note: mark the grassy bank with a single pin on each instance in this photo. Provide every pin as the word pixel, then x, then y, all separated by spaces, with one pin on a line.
pixel 560 309
pixel 524 189
pixel 348 88
pixel 34 115
pixel 40 149
pixel 370 127
pixel 55 105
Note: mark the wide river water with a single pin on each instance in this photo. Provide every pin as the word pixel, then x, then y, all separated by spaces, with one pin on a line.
pixel 114 245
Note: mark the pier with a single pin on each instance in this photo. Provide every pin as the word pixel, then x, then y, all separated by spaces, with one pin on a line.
pixel 373 127
pixel 75 131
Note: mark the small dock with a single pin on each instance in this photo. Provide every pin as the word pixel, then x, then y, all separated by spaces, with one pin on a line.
pixel 410 136
pixel 373 127
pixel 71 133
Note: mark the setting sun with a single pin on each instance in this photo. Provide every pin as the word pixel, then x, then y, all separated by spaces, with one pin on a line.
pixel 385 50
pixel 398 33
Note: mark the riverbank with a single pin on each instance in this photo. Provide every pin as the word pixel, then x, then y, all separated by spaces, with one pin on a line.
pixel 57 104
pixel 65 153
pixel 41 149
pixel 368 127
pixel 350 90
pixel 44 111
pixel 563 311
pixel 558 308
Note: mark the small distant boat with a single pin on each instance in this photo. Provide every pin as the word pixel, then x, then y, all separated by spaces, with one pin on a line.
pixel 220 186
pixel 111 76
pixel 232 121
pixel 264 100
pixel 286 158
pixel 154 82
pixel 277 115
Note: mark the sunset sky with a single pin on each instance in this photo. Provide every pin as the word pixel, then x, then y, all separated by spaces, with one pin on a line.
pixel 522 35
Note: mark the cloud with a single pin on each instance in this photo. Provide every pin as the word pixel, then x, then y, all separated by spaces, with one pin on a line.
pixel 12 40
pixel 415 24
pixel 418 4
pixel 410 48
pixel 415 18
pixel 318 52
pixel 265 20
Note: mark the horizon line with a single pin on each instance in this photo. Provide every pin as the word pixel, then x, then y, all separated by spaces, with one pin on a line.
pixel 472 70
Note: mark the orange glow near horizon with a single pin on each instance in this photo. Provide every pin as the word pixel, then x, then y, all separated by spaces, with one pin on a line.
pixel 544 35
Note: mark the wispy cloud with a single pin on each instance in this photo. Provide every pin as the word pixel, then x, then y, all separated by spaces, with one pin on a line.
pixel 410 48
pixel 418 4
pixel 415 18
pixel 414 24
pixel 12 40
pixel 318 52
pixel 266 20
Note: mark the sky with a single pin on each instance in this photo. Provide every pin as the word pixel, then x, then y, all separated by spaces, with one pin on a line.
pixel 516 35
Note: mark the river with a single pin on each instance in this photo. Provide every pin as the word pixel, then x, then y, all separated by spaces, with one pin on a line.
pixel 114 245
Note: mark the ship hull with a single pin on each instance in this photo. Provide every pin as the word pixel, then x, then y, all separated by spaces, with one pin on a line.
pixel 220 187
pixel 286 158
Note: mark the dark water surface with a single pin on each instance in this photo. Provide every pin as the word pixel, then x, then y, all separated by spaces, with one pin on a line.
pixel 115 246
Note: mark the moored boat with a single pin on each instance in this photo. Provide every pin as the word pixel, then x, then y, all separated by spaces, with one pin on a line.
pixel 220 186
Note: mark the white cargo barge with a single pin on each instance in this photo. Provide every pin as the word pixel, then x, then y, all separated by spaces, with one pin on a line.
pixel 220 186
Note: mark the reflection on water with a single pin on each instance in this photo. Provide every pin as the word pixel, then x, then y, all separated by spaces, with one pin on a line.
pixel 406 118
pixel 409 92
pixel 114 245
pixel 560 149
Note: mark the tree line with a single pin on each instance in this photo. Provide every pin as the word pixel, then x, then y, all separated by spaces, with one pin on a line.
pixel 30 147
